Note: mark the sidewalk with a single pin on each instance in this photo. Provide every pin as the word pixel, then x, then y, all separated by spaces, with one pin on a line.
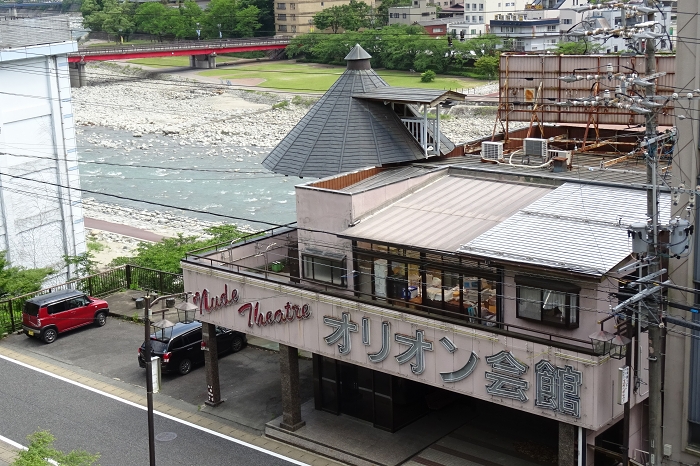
pixel 8 454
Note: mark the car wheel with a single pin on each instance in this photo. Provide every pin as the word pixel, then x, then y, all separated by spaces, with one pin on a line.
pixel 101 319
pixel 236 344
pixel 49 335
pixel 185 366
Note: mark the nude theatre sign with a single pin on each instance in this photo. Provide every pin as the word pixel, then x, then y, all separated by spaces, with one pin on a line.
pixel 209 303
pixel 556 388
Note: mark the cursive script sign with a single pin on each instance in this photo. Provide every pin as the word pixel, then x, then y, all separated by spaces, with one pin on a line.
pixel 208 303
pixel 262 318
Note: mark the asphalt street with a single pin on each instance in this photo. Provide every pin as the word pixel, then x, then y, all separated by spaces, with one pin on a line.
pixel 250 379
pixel 83 419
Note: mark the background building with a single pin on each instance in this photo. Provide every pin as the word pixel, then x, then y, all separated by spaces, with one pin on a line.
pixel 292 18
pixel 419 10
pixel 41 218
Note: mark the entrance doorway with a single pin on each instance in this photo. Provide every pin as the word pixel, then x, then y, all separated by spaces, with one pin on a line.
pixel 388 402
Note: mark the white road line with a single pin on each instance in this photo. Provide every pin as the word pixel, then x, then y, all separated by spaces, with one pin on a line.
pixel 143 408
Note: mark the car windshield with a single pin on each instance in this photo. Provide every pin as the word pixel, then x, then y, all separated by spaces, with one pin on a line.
pixel 31 309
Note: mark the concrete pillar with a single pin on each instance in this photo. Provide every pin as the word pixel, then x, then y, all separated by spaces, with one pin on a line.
pixel 567 444
pixel 77 74
pixel 203 61
pixel 291 399
pixel 211 364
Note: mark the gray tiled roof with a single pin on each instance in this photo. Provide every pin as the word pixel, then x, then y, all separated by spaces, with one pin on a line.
pixel 341 133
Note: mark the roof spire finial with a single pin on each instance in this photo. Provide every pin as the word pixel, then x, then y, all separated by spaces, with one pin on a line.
pixel 358 58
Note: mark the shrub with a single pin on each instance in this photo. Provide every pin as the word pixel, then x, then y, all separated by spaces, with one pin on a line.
pixel 427 76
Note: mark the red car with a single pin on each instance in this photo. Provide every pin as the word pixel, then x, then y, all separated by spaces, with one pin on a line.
pixel 48 315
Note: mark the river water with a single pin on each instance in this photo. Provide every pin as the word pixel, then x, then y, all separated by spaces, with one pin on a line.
pixel 226 180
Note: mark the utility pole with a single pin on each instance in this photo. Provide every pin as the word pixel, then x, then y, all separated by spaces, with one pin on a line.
pixel 654 316
pixel 149 381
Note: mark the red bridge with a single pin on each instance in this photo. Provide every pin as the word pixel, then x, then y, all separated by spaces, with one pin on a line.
pixel 202 53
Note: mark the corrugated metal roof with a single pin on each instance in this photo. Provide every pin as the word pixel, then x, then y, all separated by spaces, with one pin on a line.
pixel 444 213
pixel 577 227
pixel 388 177
pixel 409 95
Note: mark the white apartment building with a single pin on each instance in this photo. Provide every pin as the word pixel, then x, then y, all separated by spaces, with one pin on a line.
pixel 41 218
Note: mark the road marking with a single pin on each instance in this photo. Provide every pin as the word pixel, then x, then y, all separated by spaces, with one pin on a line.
pixel 144 408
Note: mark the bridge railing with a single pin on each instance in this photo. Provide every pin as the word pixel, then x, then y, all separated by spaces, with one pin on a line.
pixel 183 45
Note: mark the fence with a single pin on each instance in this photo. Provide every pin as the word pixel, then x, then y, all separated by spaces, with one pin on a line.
pixel 100 284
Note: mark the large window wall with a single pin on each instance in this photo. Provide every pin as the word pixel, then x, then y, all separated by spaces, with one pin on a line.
pixel 441 284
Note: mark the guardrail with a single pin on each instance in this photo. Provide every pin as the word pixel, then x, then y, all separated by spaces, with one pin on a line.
pixel 180 45
pixel 97 285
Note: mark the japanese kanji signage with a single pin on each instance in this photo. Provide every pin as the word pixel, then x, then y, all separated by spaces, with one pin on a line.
pixel 556 388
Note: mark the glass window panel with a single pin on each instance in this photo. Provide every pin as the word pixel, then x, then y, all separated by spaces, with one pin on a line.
pixel 380 274
pixel 553 306
pixel 322 269
pixel 573 303
pixel 308 267
pixel 530 304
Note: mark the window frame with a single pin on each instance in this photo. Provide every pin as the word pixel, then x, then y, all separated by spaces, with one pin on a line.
pixel 334 264
pixel 550 285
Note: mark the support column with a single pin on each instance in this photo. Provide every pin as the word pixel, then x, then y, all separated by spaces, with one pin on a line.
pixel 211 364
pixel 291 399
pixel 567 444
pixel 77 74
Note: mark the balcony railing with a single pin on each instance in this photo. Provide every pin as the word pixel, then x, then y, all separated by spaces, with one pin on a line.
pixel 256 262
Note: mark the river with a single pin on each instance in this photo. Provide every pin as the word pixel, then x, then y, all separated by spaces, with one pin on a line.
pixel 222 180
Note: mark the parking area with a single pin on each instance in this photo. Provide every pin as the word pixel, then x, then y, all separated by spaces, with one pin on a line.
pixel 250 379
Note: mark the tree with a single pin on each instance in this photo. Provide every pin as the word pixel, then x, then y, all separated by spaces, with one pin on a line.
pixel 235 18
pixel 118 18
pixel 156 19
pixel 16 281
pixel 428 76
pixel 577 48
pixel 190 15
pixel 41 449
pixel 329 18
pixel 487 66
pixel 167 253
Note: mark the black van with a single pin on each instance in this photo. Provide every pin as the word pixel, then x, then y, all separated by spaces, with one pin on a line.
pixel 179 347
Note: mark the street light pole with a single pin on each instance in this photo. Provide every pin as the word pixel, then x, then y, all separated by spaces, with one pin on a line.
pixel 149 374
pixel 149 382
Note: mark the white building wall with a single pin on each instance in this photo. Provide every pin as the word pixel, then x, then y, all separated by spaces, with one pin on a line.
pixel 41 218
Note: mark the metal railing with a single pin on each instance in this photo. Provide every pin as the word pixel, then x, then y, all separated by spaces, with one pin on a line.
pixel 97 285
pixel 474 322
pixel 181 45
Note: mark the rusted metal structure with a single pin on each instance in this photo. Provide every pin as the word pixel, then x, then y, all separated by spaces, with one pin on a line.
pixel 531 88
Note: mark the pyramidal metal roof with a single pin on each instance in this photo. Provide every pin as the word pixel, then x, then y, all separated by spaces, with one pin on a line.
pixel 341 133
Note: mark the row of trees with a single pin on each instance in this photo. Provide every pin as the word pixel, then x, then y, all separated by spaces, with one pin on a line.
pixel 355 16
pixel 221 18
pixel 400 47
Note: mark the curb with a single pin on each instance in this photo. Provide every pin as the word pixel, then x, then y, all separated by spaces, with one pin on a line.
pixel 208 422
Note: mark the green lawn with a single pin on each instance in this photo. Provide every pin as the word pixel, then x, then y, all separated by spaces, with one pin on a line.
pixel 310 78
pixel 183 60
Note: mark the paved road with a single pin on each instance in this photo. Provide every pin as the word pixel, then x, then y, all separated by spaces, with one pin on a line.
pixel 83 419
pixel 250 379
pixel 122 230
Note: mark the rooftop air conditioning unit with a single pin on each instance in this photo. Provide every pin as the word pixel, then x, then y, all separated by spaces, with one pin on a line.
pixel 533 147
pixel 491 150
pixel 564 154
